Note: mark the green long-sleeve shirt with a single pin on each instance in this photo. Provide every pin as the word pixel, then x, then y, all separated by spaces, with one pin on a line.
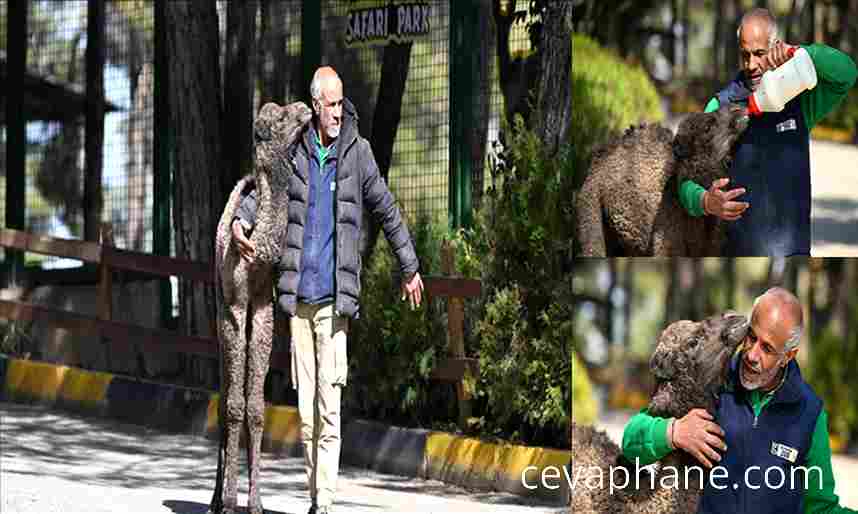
pixel 645 438
pixel 835 72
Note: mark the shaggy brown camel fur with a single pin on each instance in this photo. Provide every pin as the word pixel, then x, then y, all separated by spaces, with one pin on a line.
pixel 628 204
pixel 245 292
pixel 690 365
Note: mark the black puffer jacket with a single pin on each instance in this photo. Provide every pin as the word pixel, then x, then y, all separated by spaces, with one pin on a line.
pixel 359 186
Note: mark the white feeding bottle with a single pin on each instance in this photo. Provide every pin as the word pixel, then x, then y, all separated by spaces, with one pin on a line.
pixel 782 84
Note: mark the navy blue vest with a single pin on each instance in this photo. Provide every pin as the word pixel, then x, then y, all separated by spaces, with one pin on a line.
pixel 785 424
pixel 318 257
pixel 772 163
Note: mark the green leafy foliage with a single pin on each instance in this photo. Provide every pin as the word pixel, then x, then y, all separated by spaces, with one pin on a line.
pixel 392 348
pixel 845 115
pixel 608 95
pixel 523 337
pixel 832 378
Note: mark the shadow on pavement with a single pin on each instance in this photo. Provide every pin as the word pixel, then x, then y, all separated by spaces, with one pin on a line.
pixel 834 221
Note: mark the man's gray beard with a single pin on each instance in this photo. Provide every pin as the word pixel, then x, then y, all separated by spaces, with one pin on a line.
pixel 333 132
pixel 762 379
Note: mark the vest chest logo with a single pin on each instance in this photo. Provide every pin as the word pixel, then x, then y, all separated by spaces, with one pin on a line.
pixel 789 124
pixel 785 452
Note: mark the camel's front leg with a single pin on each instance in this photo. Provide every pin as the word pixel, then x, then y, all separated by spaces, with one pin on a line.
pixel 258 356
pixel 234 354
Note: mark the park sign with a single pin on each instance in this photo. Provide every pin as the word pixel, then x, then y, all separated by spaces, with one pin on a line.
pixel 378 22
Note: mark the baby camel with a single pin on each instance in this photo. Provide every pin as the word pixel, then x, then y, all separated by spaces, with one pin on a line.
pixel 244 292
pixel 690 365
pixel 629 202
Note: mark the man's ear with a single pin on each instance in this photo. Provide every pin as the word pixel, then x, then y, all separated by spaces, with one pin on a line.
pixel 316 107
pixel 790 355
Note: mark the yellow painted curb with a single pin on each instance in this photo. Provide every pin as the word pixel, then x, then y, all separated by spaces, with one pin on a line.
pixel 85 387
pixel 211 414
pixel 282 425
pixel 34 380
pixel 48 382
pixel 490 461
pixel 448 453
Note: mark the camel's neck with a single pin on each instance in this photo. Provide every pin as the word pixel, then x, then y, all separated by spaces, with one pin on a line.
pixel 264 214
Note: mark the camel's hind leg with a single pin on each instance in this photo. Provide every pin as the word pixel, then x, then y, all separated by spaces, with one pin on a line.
pixel 216 505
pixel 258 355
pixel 234 354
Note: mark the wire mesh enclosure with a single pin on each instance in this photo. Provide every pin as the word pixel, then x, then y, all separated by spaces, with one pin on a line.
pixel 56 57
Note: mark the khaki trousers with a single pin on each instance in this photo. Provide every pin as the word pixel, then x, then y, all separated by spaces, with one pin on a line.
pixel 319 371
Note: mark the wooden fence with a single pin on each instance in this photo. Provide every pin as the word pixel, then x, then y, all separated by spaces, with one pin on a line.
pixel 109 258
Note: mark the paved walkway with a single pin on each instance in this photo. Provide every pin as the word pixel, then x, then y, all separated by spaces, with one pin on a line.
pixel 52 461
pixel 834 185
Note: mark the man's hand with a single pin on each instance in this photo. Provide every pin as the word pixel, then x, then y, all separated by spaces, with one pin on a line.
pixel 245 245
pixel 778 54
pixel 413 290
pixel 719 203
pixel 700 436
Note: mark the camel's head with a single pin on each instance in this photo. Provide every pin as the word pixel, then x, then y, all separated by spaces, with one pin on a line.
pixel 691 363
pixel 276 131
pixel 704 143
pixel 281 123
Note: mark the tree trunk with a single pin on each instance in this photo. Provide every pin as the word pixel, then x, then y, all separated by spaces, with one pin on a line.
pixel 503 26
pixel 731 64
pixel 810 35
pixel 140 157
pixel 670 304
pixel 794 11
pixel 238 92
pixel 272 64
pixel 686 28
pixel 698 291
pixel 196 117
pixel 629 290
pixel 717 45
pixel 610 311
pixel 729 271
pixel 93 201
pixel 553 94
pixel 385 123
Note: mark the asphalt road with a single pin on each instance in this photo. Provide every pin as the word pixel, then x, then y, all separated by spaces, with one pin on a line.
pixel 59 462
pixel 834 189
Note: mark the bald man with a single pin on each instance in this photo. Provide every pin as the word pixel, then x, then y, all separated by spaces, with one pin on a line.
pixel 767 208
pixel 770 423
pixel 318 282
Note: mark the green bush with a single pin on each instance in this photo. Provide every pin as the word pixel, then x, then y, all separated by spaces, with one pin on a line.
pixel 845 115
pixel 393 349
pixel 831 377
pixel 519 248
pixel 608 95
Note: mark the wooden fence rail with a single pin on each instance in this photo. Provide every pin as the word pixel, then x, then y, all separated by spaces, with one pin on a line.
pixel 109 258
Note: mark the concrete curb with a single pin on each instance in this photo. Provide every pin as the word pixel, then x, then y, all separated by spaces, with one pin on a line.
pixel 528 471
